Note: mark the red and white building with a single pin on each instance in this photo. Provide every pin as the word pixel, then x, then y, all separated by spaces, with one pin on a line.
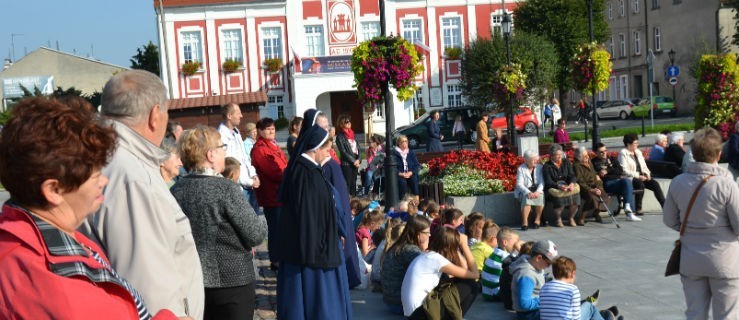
pixel 314 39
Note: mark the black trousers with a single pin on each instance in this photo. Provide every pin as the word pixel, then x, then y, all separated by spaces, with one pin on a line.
pixel 467 289
pixel 350 175
pixel 230 303
pixel 651 185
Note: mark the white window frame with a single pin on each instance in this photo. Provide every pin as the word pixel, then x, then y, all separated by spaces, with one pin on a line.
pixel 454 95
pixel 621 45
pixel 279 102
pixel 611 48
pixel 278 51
pixel 621 8
pixel 496 22
pixel 609 7
pixel 657 32
pixel 455 38
pixel 624 82
pixel 412 33
pixel 637 43
pixel 227 49
pixel 635 6
pixel 314 40
pixel 370 29
pixel 185 40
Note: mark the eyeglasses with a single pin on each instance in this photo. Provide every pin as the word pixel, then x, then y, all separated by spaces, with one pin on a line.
pixel 401 141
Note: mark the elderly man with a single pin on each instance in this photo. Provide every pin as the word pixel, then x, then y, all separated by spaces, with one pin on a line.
pixel 614 179
pixel 675 151
pixel 658 150
pixel 231 137
pixel 140 225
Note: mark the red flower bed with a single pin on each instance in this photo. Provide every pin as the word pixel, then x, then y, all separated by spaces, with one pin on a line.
pixel 500 166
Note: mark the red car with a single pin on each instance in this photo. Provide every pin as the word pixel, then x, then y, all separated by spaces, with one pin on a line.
pixel 524 119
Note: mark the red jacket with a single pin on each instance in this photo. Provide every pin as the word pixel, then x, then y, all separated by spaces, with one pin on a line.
pixel 270 162
pixel 36 284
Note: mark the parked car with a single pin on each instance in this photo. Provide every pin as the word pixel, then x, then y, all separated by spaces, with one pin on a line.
pixel 615 109
pixel 662 106
pixel 417 133
pixel 524 120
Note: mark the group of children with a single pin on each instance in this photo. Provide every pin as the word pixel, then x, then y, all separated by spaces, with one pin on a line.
pixel 428 256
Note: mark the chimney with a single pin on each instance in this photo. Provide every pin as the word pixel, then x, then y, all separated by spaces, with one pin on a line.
pixel 7 63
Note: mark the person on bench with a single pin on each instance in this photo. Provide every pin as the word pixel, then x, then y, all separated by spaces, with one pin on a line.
pixel 675 151
pixel 614 178
pixel 632 161
pixel 658 150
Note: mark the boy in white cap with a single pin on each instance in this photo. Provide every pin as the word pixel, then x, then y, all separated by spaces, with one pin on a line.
pixel 528 278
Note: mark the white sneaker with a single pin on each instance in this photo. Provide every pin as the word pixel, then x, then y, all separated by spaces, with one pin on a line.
pixel 632 217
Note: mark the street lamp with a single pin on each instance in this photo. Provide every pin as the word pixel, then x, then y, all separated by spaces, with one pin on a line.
pixel 391 175
pixel 596 126
pixel 506 24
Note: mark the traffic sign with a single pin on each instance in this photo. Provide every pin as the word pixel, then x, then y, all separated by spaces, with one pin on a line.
pixel 673 81
pixel 673 71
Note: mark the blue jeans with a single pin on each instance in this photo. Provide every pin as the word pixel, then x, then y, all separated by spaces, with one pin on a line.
pixel 528 315
pixel 589 312
pixel 622 187
pixel 367 184
pixel 251 197
pixel 273 219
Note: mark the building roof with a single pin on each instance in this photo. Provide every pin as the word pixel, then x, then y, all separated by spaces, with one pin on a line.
pixel 258 97
pixel 188 3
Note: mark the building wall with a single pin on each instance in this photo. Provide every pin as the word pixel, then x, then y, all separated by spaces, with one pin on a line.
pixel 86 75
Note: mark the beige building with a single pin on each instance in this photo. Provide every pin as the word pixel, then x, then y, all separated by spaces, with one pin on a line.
pixel 48 69
pixel 689 27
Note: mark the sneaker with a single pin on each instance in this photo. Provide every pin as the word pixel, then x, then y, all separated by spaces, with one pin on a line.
pixel 593 298
pixel 607 315
pixel 614 310
pixel 620 318
pixel 632 217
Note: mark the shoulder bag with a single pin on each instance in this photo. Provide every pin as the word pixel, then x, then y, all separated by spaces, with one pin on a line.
pixel 673 264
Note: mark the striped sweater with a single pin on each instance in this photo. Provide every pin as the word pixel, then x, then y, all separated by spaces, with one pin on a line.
pixel 559 300
pixel 491 272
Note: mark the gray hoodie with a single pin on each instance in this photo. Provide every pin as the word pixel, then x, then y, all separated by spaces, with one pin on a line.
pixel 526 279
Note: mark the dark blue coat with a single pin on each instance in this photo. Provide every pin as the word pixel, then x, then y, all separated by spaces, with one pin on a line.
pixel 434 133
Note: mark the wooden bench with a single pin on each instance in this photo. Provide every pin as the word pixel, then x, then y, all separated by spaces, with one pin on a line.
pixel 544 147
pixel 663 169
pixel 425 157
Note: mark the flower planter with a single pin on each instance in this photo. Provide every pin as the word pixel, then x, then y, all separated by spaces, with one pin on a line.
pixel 501 207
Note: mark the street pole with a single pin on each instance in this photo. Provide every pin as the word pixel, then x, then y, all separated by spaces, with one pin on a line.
pixel 391 175
pixel 650 78
pixel 507 34
pixel 596 126
pixel 671 55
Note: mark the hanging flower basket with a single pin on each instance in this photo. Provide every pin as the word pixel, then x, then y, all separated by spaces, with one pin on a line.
pixel 453 53
pixel 231 65
pixel 591 68
pixel 718 93
pixel 391 60
pixel 273 65
pixel 509 84
pixel 190 68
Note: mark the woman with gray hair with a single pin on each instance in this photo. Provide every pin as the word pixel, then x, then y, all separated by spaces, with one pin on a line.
pixel 675 151
pixel 591 186
pixel 560 185
pixel 709 245
pixel 170 168
pixel 530 189
pixel 658 150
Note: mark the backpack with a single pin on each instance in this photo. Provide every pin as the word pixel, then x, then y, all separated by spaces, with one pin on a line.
pixel 548 111
pixel 506 278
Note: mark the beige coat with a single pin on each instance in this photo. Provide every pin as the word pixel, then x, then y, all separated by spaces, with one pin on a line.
pixel 710 245
pixel 143 230
pixel 483 140
pixel 629 165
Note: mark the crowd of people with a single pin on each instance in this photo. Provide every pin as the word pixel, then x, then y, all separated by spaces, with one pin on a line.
pixel 123 214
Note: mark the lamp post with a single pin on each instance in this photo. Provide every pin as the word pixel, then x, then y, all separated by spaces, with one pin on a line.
pixel 596 126
pixel 391 181
pixel 671 54
pixel 506 23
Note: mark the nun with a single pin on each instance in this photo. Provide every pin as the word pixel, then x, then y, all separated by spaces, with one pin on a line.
pixel 312 281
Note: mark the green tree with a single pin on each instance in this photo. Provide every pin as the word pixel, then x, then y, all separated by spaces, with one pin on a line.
pixel 484 56
pixel 146 58
pixel 565 24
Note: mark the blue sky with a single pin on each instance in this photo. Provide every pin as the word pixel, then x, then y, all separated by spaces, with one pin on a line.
pixel 114 29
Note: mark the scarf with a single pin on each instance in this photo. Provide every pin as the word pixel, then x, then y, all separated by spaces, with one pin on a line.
pixel 206 172
pixel 348 132
pixel 404 156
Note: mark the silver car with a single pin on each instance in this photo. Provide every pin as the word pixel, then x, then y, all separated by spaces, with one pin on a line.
pixel 615 109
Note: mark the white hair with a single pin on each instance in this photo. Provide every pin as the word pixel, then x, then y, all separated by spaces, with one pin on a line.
pixel 676 137
pixel 530 154
pixel 579 152
pixel 660 138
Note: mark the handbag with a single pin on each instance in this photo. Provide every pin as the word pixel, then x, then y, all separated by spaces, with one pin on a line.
pixel 673 264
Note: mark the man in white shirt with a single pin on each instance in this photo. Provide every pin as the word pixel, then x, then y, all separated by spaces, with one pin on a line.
pixel 231 137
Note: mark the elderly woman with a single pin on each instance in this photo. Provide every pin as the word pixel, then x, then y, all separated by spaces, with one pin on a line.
pixel 658 150
pixel 675 151
pixel 51 156
pixel 408 167
pixel 170 168
pixel 312 282
pixel 224 226
pixel 634 166
pixel 591 186
pixel 270 162
pixel 710 247
pixel 560 185
pixel 530 188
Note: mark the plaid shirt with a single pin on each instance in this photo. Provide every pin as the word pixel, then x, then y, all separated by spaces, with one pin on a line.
pixel 61 244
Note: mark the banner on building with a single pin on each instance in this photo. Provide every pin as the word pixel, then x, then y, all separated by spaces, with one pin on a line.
pixel 331 64
pixel 12 86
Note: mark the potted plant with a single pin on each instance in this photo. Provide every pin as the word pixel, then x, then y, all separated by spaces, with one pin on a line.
pixel 453 53
pixel 273 65
pixel 509 83
pixel 231 65
pixel 190 68
pixel 591 68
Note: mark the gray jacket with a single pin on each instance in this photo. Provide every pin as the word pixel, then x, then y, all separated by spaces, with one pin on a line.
pixel 224 226
pixel 144 232
pixel 710 245
pixel 521 268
